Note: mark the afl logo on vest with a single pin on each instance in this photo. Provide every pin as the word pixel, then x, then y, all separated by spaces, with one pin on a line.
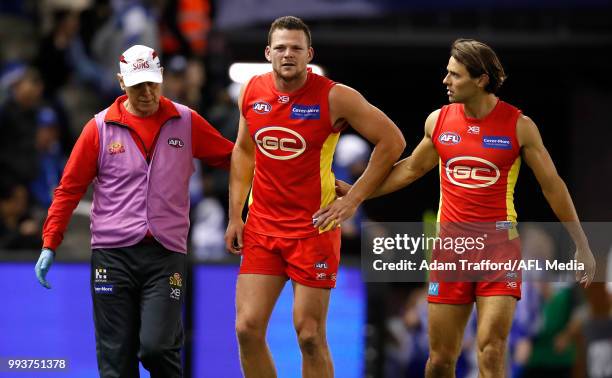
pixel 471 172
pixel 175 142
pixel 279 143
pixel 262 107
pixel 449 138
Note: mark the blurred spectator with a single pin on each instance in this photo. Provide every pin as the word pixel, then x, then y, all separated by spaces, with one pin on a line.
pixel 20 8
pixel 175 85
pixel 17 229
pixel 536 244
pixel 350 160
pixel 546 360
pixel 223 113
pixel 18 117
pixel 224 116
pixel 184 81
pixel 12 72
pixel 185 26
pixel 131 23
pixel 209 230
pixel 208 213
pixel 527 323
pixel 53 57
pixel 50 158
pixel 407 347
pixel 62 61
pixel 542 314
pixel 92 19
pixel 591 325
pixel 596 328
pixel 196 80
pixel 62 55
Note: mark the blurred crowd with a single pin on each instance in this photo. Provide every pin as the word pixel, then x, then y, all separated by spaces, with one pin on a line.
pixel 58 66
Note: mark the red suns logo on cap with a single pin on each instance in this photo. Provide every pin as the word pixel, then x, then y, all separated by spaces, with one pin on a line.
pixel 140 64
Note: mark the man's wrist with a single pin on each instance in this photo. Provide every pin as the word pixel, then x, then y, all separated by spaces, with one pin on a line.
pixel 234 218
pixel 582 243
pixel 583 247
pixel 353 198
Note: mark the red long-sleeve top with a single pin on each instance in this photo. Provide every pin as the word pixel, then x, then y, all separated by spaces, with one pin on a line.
pixel 82 166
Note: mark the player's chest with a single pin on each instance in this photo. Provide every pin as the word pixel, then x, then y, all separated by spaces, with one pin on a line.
pixel 497 145
pixel 281 123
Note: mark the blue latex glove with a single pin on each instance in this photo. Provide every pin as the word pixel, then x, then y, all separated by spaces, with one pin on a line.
pixel 43 265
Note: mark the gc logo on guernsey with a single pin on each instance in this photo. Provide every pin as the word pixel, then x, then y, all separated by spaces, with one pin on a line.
pixel 471 172
pixel 279 143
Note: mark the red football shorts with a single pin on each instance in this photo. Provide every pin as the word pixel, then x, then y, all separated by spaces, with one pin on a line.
pixel 309 261
pixel 463 286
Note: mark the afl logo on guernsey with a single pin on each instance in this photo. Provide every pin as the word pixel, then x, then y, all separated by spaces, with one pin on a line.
pixel 175 142
pixel 449 138
pixel 471 172
pixel 262 107
pixel 279 142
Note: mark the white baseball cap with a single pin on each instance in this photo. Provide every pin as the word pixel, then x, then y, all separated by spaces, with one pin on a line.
pixel 139 64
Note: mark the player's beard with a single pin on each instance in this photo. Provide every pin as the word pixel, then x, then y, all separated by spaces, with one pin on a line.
pixel 295 75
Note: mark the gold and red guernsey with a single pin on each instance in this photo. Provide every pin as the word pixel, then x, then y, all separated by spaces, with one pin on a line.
pixel 295 144
pixel 479 165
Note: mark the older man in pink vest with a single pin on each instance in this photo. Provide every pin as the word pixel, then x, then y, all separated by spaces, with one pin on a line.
pixel 139 154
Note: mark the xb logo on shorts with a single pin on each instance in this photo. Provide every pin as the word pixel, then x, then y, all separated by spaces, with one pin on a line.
pixel 176 282
pixel 279 143
pixel 471 172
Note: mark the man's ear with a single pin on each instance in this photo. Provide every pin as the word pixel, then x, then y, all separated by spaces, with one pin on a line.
pixel 267 54
pixel 120 79
pixel 483 81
